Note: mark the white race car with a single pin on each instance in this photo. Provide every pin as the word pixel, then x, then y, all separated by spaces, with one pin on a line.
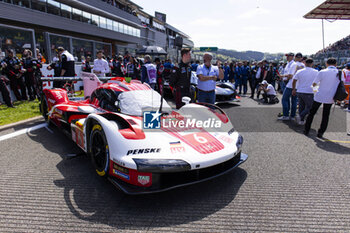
pixel 111 126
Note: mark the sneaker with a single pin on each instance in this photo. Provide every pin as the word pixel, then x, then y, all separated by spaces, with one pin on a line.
pixel 347 110
pixel 301 123
pixel 283 118
pixel 292 118
pixel 297 118
pixel 320 135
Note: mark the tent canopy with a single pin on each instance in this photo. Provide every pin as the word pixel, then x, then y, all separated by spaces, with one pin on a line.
pixel 331 9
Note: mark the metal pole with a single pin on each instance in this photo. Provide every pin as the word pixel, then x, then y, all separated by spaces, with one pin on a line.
pixel 323 35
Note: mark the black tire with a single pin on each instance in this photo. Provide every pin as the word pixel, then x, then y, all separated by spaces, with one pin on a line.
pixel 99 150
pixel 44 108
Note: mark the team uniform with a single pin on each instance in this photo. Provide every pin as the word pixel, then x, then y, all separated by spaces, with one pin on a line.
pixel 31 66
pixel 180 79
pixel 15 77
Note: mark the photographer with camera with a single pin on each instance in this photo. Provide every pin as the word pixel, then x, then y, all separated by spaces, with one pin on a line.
pixel 269 93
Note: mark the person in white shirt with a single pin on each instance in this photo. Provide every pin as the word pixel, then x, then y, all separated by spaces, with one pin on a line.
pixel 287 98
pixel 100 65
pixel 304 79
pixel 328 81
pixel 269 94
pixel 207 76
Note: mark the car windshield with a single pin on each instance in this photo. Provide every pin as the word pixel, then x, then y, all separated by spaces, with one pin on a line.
pixel 136 102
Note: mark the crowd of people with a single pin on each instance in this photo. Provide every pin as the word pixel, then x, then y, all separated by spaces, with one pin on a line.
pixel 20 74
pixel 296 80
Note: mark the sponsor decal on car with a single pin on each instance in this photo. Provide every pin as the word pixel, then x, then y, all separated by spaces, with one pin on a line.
pixel 226 139
pixel 118 173
pixel 176 147
pixel 143 179
pixel 122 169
pixel 51 101
pixel 143 151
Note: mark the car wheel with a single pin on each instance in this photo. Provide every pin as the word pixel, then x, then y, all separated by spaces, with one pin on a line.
pixel 44 108
pixel 99 150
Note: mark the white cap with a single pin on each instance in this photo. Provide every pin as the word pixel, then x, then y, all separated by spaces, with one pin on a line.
pixel 264 82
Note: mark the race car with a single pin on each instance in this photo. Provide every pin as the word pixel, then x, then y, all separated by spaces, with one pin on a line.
pixel 226 92
pixel 115 124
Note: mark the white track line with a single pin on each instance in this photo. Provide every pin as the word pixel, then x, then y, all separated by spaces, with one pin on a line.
pixel 22 131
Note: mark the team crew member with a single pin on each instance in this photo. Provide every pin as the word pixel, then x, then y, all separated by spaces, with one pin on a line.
pixel 85 66
pixel 56 66
pixel 4 90
pixel 149 72
pixel 160 70
pixel 269 94
pixel 207 77
pixel 117 66
pixel 67 63
pixel 100 65
pixel 304 79
pixel 287 97
pixel 181 77
pixel 245 72
pixel 11 67
pixel 328 81
pixel 30 66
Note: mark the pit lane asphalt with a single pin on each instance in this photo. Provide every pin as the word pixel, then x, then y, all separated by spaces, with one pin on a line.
pixel 290 183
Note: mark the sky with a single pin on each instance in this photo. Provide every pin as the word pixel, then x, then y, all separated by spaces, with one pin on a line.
pixel 261 25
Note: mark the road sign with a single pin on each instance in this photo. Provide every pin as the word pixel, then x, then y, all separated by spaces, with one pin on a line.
pixel 208 49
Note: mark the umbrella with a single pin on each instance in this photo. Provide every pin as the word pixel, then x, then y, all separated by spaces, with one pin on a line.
pixel 152 50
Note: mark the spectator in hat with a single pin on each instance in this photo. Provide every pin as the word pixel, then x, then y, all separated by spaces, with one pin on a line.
pixel 328 81
pixel 289 102
pixel 303 80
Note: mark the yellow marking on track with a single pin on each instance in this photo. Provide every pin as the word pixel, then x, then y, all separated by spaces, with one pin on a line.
pixel 329 140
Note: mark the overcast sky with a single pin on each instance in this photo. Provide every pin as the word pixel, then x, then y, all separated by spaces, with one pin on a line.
pixel 260 25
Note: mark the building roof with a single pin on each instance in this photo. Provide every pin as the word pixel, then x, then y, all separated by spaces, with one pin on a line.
pixel 331 9
pixel 176 30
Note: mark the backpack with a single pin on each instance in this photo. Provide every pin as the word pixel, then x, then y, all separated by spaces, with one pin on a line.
pixel 341 93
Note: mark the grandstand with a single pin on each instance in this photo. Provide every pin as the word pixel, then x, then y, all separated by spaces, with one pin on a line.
pixel 339 50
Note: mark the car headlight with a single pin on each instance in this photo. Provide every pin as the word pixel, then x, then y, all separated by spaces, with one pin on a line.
pixel 161 165
pixel 239 142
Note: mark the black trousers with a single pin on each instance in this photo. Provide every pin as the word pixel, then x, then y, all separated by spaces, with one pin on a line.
pixel 14 84
pixel 252 86
pixel 29 81
pixel 5 93
pixel 325 116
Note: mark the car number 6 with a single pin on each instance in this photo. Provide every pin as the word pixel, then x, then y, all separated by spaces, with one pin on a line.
pixel 200 139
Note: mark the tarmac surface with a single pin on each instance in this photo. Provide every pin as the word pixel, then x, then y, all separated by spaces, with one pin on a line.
pixel 290 183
